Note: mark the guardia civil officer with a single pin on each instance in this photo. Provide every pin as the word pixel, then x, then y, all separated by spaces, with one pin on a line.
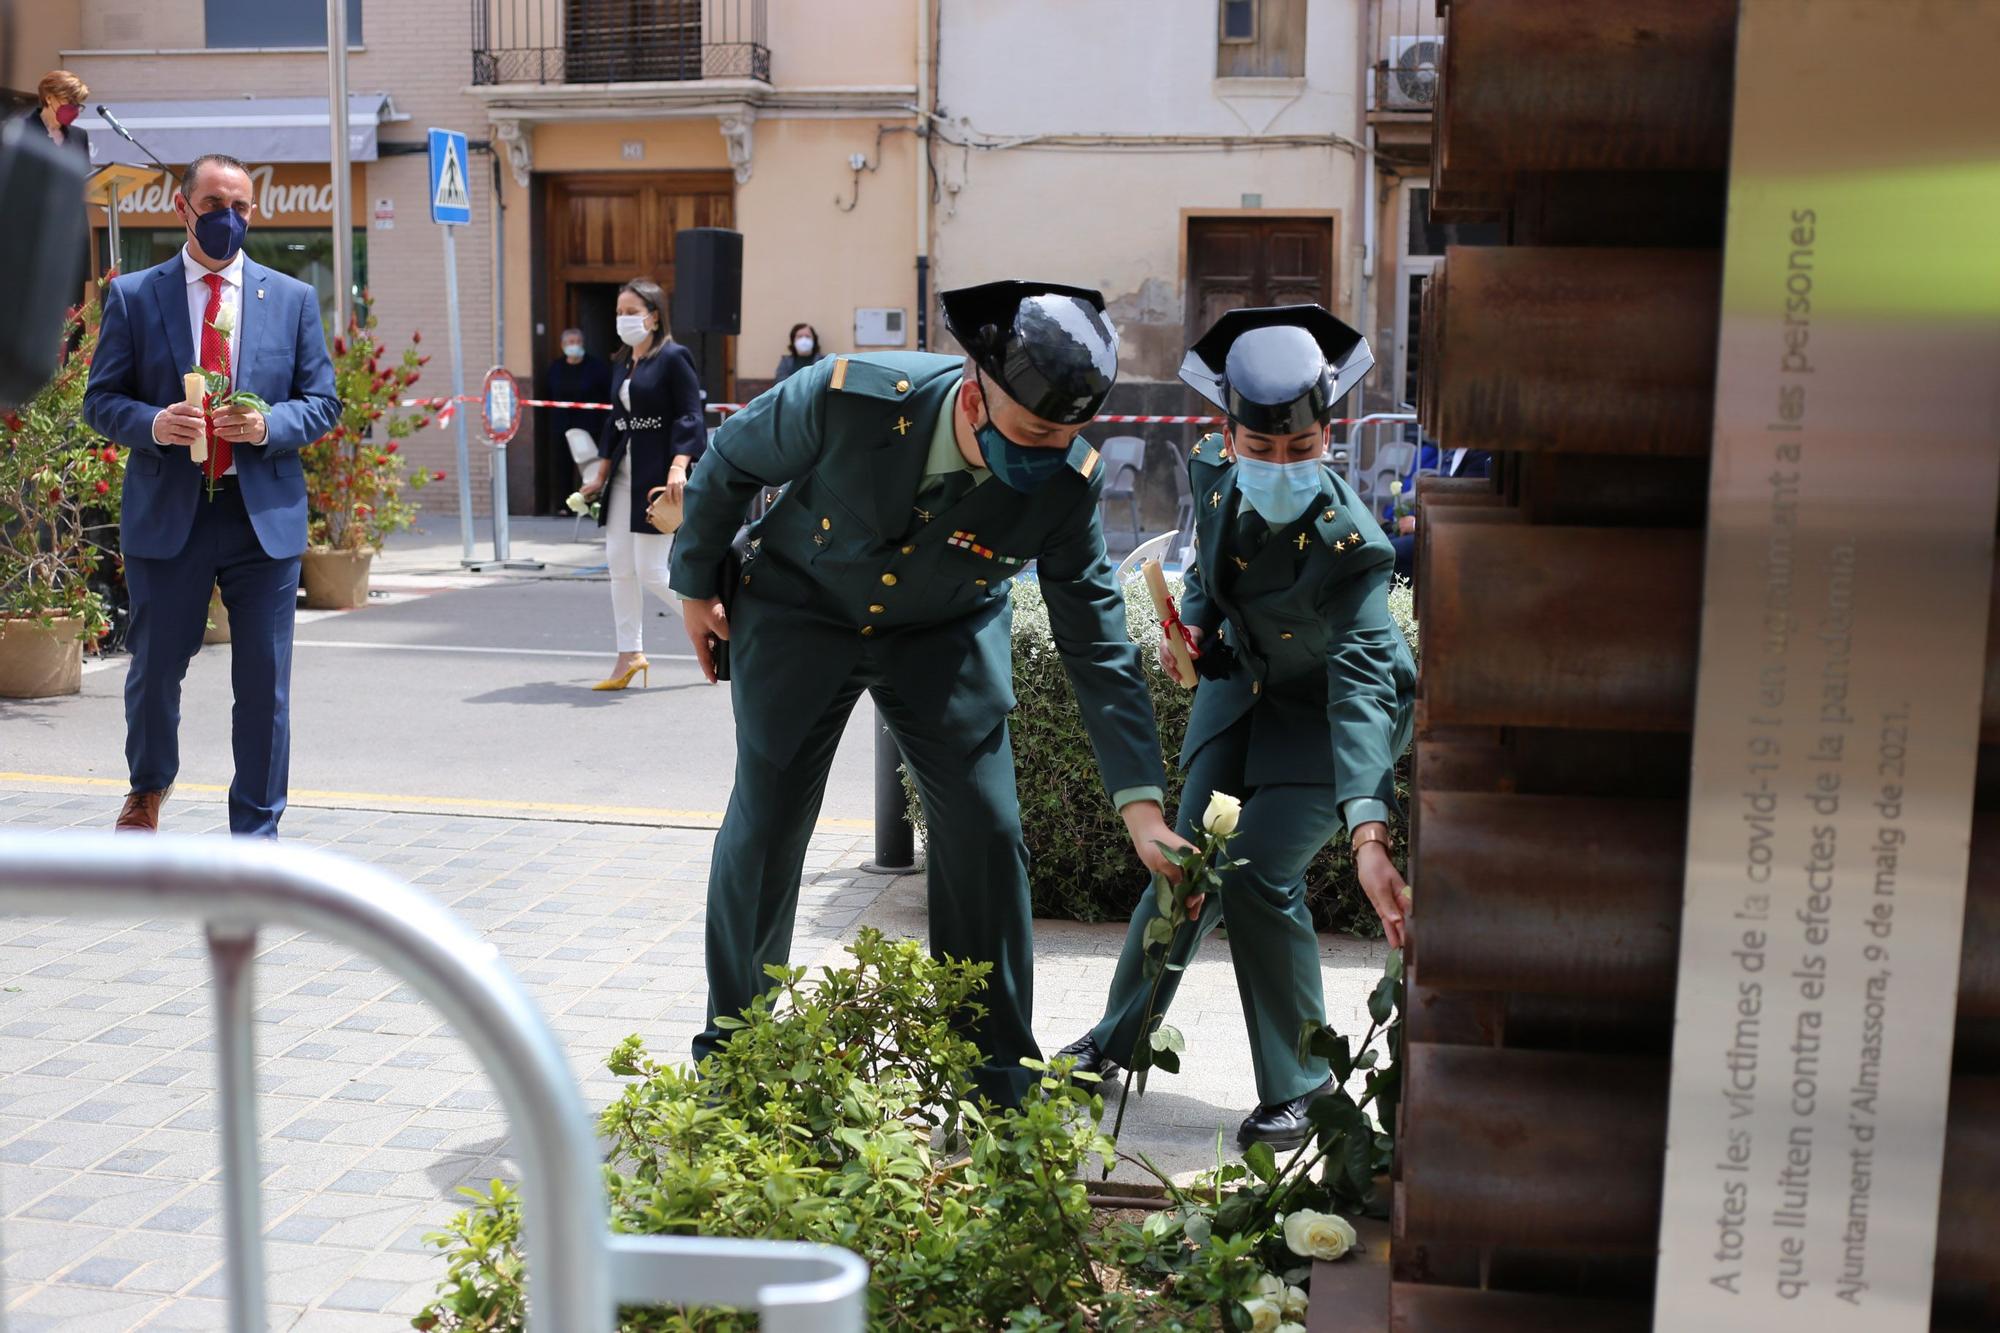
pixel 1305 703
pixel 919 486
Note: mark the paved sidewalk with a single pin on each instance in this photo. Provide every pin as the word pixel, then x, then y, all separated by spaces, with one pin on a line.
pixel 371 1111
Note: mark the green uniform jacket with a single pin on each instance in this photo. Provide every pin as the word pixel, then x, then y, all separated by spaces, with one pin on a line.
pixel 846 557
pixel 1308 618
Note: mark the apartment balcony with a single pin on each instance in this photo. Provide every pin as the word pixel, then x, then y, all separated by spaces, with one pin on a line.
pixel 569 42
pixel 1403 82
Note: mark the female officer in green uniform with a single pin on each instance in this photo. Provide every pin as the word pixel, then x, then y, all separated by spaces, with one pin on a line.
pixel 1306 699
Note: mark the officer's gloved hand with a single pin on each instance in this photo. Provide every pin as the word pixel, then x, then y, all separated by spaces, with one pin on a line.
pixel 1217 658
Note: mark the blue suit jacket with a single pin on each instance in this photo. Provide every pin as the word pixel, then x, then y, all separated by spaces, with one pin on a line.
pixel 143 349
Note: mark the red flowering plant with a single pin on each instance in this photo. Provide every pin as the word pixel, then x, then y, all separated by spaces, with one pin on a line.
pixel 60 486
pixel 357 475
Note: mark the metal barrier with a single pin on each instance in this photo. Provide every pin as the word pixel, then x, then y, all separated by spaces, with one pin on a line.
pixel 582 1272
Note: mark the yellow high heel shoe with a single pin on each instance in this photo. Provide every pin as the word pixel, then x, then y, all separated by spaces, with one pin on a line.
pixel 638 668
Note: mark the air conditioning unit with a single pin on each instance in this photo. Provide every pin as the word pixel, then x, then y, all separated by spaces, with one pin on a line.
pixel 1410 74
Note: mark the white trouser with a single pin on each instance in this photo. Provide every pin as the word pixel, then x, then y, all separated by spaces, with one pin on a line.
pixel 638 563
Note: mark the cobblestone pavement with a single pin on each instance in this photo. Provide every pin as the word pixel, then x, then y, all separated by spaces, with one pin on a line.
pixel 371 1112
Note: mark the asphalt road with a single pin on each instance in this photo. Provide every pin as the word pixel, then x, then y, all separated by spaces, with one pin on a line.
pixel 471 694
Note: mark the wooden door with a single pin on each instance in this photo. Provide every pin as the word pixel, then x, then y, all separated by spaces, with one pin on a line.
pixel 612 227
pixel 1254 261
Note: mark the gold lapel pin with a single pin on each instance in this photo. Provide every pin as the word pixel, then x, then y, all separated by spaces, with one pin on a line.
pixel 1302 541
pixel 902 425
pixel 1214 499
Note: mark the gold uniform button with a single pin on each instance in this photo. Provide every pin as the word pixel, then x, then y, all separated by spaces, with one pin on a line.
pixel 867 630
pixel 876 608
pixel 908 549
pixel 902 386
pixel 1285 635
pixel 979 583
pixel 826 525
pixel 746 580
pixel 888 580
pixel 1256 687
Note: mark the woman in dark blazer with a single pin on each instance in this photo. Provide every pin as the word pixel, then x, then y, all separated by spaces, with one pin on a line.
pixel 652 438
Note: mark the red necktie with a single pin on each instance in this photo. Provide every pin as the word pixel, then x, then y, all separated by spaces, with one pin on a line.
pixel 215 356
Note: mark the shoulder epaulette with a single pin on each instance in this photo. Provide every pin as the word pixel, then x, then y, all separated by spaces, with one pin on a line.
pixel 1083 458
pixel 855 374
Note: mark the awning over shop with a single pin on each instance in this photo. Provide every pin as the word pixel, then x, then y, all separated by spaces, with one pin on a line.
pixel 255 129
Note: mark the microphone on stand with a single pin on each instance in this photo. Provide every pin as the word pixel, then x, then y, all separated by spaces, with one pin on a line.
pixel 125 134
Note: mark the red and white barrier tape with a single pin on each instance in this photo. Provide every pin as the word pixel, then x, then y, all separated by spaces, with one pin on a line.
pixel 724 409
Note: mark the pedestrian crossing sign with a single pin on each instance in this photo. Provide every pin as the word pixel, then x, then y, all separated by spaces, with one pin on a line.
pixel 451 192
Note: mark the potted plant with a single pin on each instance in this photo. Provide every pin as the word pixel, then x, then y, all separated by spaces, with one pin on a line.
pixel 59 497
pixel 356 478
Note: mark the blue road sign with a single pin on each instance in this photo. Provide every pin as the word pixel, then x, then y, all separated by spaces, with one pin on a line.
pixel 451 189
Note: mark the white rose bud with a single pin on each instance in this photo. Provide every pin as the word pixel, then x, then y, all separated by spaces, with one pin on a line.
pixel 1265 1316
pixel 1313 1235
pixel 1293 1302
pixel 577 504
pixel 1271 1287
pixel 1395 488
pixel 1222 813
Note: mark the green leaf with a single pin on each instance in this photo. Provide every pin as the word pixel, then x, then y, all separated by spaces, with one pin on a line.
pixel 1382 1001
pixel 1263 1162
pixel 1167 1037
pixel 1159 932
pixel 1168 1060
pixel 244 398
pixel 1394 967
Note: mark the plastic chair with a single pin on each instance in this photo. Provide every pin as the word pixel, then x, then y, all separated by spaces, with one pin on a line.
pixel 1124 458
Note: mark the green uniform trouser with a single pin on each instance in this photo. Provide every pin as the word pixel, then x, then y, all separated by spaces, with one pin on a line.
pixel 978 868
pixel 1271 937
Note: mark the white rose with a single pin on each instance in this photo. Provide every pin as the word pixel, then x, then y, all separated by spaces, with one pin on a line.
pixel 1265 1316
pixel 1395 488
pixel 1222 813
pixel 1294 1302
pixel 577 504
pixel 1313 1235
pixel 1271 1287
pixel 1289 1327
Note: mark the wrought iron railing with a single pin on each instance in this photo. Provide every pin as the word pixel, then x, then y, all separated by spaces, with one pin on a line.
pixel 618 41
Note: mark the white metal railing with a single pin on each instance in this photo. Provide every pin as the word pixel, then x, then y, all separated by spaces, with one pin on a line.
pixel 581 1272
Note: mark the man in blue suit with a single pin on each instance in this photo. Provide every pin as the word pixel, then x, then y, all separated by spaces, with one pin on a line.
pixel 235 520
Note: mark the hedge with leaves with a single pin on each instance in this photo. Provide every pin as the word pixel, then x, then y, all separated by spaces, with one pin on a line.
pixel 1081 865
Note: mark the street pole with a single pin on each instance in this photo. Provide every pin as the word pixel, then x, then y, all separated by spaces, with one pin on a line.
pixel 895 840
pixel 458 392
pixel 343 203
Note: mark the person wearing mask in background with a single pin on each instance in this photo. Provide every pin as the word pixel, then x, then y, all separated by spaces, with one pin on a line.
pixel 575 376
pixel 236 520
pixel 653 437
pixel 63 95
pixel 801 350
pixel 1305 704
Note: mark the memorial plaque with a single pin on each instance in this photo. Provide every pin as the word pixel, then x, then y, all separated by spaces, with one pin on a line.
pixel 1848 578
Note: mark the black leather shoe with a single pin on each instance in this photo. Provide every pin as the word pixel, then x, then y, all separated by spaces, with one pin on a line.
pixel 1090 1058
pixel 1282 1124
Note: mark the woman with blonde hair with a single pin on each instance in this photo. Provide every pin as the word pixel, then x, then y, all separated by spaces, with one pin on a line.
pixel 62 97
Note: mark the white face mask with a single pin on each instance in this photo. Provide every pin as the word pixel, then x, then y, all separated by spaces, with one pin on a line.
pixel 802 345
pixel 574 351
pixel 632 330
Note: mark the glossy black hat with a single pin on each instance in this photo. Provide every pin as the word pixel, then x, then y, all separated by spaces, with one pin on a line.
pixel 1049 347
pixel 1277 370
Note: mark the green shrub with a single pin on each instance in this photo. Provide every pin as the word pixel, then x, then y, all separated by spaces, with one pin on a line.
pixel 1080 864
pixel 819 1122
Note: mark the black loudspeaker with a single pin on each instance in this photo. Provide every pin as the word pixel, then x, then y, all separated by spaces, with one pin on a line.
pixel 708 280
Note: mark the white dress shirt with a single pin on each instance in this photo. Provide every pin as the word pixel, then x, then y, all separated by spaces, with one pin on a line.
pixel 232 310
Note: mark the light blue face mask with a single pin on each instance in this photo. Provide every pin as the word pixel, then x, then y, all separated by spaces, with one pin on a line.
pixel 1280 492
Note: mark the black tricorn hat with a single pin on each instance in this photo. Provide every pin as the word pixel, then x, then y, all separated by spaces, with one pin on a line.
pixel 1048 346
pixel 1277 370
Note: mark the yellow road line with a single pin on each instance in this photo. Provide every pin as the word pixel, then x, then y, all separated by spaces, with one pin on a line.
pixel 620 814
